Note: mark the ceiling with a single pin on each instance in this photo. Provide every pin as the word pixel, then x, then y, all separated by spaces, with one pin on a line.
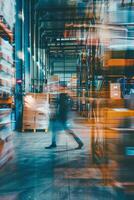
pixel 62 20
pixel 62 23
pixel 57 17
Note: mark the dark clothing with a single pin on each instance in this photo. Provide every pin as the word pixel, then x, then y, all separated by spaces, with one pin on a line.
pixel 64 107
pixel 58 122
pixel 57 125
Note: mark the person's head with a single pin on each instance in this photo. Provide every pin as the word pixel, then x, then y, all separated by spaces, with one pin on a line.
pixel 63 89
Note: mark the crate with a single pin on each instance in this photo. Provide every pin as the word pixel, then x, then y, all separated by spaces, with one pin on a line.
pixel 29 116
pixel 41 95
pixel 40 115
pixel 27 109
pixel 36 112
pixel 27 112
pixel 41 126
pixel 6 153
pixel 41 107
pixel 28 126
pixel 115 91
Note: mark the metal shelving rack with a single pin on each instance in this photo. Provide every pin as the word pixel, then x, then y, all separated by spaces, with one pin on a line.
pixel 7 77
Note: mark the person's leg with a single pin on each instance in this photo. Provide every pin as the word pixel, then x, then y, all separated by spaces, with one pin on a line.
pixel 53 135
pixel 71 133
pixel 54 138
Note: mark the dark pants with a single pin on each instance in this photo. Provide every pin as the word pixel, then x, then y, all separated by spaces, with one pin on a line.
pixel 58 125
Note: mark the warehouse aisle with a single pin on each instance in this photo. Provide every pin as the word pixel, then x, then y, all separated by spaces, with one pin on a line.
pixel 57 56
pixel 59 174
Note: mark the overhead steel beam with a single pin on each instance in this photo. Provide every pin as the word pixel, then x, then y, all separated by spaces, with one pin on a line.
pixel 58 43
pixel 67 72
pixel 55 8
pixel 61 51
pixel 71 45
pixel 66 19
pixel 64 49
pixel 87 27
pixel 68 48
pixel 65 28
pixel 79 45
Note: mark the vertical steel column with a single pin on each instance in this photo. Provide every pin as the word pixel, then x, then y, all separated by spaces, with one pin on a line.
pixel 35 53
pixel 22 57
pixel 93 51
pixel 46 67
pixel 31 40
pixel 42 62
pixel 64 67
pixel 26 45
pixel 32 44
pixel 18 65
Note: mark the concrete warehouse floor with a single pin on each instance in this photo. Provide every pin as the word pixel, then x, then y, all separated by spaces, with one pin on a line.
pixel 36 173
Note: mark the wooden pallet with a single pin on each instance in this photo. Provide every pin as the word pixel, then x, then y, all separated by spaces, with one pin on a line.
pixel 34 130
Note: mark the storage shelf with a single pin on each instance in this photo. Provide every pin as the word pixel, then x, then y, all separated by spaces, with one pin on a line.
pixel 4 30
pixel 4 123
pixel 5 109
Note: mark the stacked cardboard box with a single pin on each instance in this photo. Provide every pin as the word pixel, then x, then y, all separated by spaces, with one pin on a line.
pixel 7 78
pixel 36 112
pixel 7 9
pixel 115 91
pixel 28 119
pixel 6 86
pixel 42 112
pixel 6 145
pixel 6 150
pixel 6 68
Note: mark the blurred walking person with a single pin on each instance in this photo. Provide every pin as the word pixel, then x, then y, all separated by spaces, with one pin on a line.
pixel 59 120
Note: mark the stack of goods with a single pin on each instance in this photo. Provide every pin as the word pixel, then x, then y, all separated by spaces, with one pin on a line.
pixel 7 9
pixel 42 113
pixel 6 87
pixel 7 72
pixel 6 146
pixel 6 68
pixel 29 112
pixel 73 90
pixel 54 89
pixel 115 91
pixel 36 111
pixel 53 84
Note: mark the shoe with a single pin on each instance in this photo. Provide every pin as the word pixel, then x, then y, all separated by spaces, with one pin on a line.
pixel 79 146
pixel 51 146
